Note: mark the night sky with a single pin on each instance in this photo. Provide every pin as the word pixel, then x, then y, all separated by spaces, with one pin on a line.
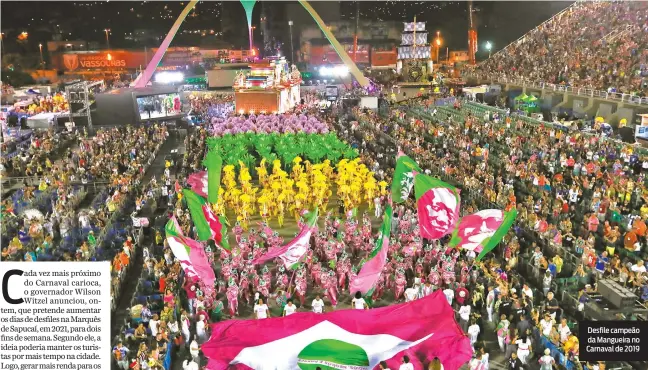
pixel 498 22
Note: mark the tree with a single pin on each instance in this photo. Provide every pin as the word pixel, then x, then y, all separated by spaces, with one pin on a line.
pixel 16 78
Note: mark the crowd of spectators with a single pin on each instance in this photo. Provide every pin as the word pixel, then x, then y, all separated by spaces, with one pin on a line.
pixel 163 324
pixel 575 195
pixel 211 105
pixel 52 225
pixel 32 155
pixel 600 45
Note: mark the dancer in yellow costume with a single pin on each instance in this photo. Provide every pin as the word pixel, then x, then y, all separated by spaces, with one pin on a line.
pixel 306 186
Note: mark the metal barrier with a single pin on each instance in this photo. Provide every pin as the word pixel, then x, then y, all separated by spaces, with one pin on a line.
pixel 10 182
pixel 581 91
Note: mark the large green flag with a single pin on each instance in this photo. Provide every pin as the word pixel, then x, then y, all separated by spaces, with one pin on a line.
pixel 207 225
pixel 214 164
pixel 172 228
pixel 403 177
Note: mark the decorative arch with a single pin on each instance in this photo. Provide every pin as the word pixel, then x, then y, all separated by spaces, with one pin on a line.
pixel 144 78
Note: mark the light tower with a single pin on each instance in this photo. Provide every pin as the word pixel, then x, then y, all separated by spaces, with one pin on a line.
pixel 472 35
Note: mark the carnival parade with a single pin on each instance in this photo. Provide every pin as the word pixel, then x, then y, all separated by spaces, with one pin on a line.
pixel 358 196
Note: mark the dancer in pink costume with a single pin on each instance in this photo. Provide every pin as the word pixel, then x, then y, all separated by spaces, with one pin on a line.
pixel 427 254
pixel 244 285
pixel 465 273
pixel 222 286
pixel 401 283
pixel 264 288
pixel 380 287
pixel 210 255
pixel 275 240
pixel 226 268
pixel 254 278
pixel 257 251
pixel 357 240
pixel 320 240
pixel 237 258
pixel 329 283
pixel 301 285
pixel 366 226
pixel 232 298
pixel 234 275
pixel 350 227
pixel 316 271
pixel 266 231
pixel 266 275
pixel 238 232
pixel 404 224
pixel 390 267
pixel 253 236
pixel 282 277
pixel 418 269
pixel 433 277
pixel 448 272
pixel 394 247
pixel 329 251
pixel 342 269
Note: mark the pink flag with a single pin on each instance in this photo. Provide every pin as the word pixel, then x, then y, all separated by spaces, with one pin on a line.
pixel 438 206
pixel 200 262
pixel 198 183
pixel 214 223
pixel 292 252
pixel 343 339
pixel 370 270
pixel 482 231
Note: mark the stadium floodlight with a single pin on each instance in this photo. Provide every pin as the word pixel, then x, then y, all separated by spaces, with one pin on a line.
pixel 167 77
pixel 489 46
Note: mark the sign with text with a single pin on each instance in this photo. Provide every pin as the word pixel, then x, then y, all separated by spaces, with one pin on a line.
pixel 55 315
pixel 104 60
pixel 613 340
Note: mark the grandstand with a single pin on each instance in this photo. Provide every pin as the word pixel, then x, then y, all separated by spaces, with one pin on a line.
pixel 595 45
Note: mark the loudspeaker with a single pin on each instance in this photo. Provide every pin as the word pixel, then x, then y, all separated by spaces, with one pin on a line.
pixel 627 134
pixel 617 295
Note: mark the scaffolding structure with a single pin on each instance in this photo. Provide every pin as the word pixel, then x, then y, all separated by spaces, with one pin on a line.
pixel 82 93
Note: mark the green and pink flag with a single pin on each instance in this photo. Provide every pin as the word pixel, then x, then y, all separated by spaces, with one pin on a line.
pixel 343 339
pixel 482 231
pixel 214 164
pixel 292 253
pixel 372 266
pixel 437 205
pixel 207 183
pixel 208 226
pixel 403 181
pixel 199 183
pixel 190 253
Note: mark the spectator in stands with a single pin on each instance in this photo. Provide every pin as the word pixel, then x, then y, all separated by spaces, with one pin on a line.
pixel 120 353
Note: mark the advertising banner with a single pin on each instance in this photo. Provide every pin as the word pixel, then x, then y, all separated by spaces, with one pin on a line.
pixel 100 60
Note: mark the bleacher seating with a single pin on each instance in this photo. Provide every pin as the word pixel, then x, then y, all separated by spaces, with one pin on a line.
pixel 596 45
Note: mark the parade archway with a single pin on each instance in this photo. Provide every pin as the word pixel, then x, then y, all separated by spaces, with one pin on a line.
pixel 144 77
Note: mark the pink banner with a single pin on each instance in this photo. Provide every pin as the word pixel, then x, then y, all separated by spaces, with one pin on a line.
pixel 422 329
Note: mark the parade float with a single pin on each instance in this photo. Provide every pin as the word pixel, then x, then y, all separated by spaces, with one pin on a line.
pixel 268 87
